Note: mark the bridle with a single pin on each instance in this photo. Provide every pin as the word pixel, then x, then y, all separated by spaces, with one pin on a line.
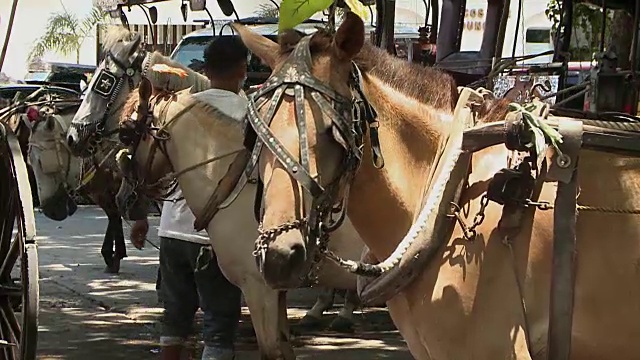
pixel 140 126
pixel 108 85
pixel 349 118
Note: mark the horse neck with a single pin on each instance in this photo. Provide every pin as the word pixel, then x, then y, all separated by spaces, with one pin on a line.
pixel 193 79
pixel 384 202
pixel 194 139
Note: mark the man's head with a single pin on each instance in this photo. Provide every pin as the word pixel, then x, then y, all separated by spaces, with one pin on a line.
pixel 225 62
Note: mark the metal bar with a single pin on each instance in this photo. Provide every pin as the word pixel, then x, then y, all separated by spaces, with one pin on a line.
pixel 502 30
pixel 12 16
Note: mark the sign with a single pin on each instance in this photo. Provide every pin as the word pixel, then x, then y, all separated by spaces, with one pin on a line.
pixel 474 19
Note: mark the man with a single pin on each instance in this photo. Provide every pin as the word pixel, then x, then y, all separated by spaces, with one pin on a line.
pixel 191 277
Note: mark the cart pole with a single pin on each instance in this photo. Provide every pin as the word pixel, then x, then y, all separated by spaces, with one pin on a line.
pixel 8 35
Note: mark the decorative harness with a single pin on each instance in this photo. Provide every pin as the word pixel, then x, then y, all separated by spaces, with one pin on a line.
pixel 108 85
pixel 348 117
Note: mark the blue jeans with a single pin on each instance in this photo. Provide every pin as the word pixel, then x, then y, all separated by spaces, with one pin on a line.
pixel 191 279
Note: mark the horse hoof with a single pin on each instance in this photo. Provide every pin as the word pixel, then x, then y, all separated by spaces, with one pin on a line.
pixel 309 322
pixel 113 267
pixel 341 325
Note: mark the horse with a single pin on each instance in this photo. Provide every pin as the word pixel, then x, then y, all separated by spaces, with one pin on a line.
pixel 58 174
pixel 483 298
pixel 98 118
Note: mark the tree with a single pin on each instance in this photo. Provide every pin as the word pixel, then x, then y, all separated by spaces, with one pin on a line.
pixel 267 10
pixel 65 33
pixel 587 28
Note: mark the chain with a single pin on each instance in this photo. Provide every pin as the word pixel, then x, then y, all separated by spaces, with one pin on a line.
pixel 470 232
pixel 267 236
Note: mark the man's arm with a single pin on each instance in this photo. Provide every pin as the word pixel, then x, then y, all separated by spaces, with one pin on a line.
pixel 138 213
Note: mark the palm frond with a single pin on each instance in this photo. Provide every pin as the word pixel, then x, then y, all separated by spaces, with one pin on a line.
pixel 89 22
pixel 65 33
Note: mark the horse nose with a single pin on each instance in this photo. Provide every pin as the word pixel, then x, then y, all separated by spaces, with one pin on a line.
pixel 72 137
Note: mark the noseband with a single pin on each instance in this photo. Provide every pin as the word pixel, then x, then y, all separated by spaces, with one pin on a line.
pixel 347 115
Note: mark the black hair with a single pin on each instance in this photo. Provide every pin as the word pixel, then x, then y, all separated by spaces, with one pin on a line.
pixel 224 54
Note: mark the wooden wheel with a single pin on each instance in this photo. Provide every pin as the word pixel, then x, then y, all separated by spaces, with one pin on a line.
pixel 19 291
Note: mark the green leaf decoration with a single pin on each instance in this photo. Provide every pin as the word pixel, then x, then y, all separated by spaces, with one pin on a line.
pixel 358 8
pixel 294 12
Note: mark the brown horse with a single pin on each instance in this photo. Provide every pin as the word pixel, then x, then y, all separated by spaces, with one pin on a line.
pixel 481 299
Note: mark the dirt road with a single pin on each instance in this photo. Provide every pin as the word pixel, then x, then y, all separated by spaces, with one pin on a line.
pixel 87 314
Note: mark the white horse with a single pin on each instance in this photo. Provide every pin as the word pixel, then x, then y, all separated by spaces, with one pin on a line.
pixel 234 230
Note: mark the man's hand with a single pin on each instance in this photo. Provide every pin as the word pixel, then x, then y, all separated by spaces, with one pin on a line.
pixel 139 232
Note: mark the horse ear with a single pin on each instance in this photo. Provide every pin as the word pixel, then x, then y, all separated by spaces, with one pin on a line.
pixel 349 37
pixel 134 43
pixel 145 89
pixel 261 46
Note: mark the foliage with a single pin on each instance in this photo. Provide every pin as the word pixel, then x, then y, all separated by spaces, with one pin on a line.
pixel 65 33
pixel 294 12
pixel 587 26
pixel 267 10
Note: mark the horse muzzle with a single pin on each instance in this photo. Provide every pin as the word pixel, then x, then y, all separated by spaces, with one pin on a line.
pixel 59 206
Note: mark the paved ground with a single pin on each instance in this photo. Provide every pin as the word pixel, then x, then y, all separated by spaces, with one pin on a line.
pixel 87 314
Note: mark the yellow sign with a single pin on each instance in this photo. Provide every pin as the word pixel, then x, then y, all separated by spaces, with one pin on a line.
pixel 474 19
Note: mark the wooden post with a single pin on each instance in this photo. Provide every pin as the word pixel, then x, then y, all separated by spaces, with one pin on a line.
pixel 14 7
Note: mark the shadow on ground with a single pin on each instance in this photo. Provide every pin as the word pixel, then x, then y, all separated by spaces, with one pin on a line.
pixel 87 314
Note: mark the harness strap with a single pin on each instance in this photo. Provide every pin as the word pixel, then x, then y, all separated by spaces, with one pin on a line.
pixel 563 168
pixel 223 190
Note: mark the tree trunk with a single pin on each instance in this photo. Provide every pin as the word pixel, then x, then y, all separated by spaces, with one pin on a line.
pixel 3 54
pixel 78 55
pixel 621 37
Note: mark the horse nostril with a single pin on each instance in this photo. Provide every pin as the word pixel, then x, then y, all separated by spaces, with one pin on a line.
pixel 71 140
pixel 297 255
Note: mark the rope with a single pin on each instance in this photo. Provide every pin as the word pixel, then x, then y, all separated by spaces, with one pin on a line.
pixel 608 210
pixel 545 205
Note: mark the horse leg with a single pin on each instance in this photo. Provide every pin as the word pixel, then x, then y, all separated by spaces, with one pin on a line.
pixel 118 238
pixel 313 319
pixel 107 247
pixel 268 310
pixel 344 322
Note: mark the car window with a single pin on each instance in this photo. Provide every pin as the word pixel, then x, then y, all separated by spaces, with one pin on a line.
pixel 190 53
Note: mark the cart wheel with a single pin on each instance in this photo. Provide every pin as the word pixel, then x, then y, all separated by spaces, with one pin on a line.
pixel 19 294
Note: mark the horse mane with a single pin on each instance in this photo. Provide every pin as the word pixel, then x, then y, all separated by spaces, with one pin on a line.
pixel 425 84
pixel 184 97
pixel 115 34
pixel 171 82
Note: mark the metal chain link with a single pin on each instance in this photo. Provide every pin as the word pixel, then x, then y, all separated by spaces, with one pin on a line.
pixel 470 232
